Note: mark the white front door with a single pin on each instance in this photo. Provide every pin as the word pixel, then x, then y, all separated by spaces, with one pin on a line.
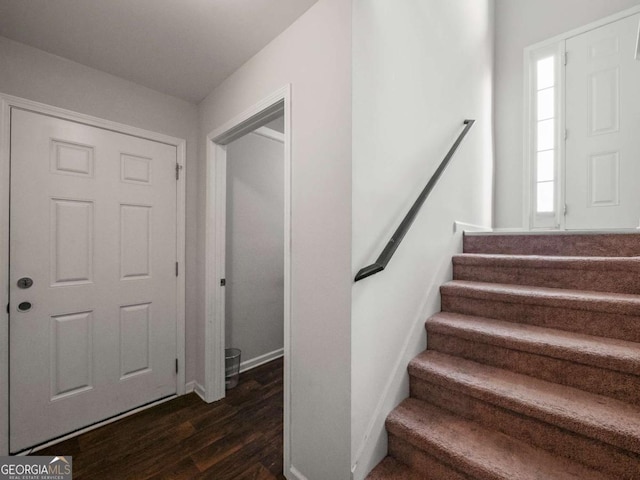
pixel 93 227
pixel 603 127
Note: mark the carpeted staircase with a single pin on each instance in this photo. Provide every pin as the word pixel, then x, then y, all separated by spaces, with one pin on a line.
pixel 532 369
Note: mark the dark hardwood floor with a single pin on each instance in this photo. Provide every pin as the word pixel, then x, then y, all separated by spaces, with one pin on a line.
pixel 237 438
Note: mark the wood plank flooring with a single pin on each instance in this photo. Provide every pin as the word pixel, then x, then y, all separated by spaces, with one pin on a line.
pixel 237 438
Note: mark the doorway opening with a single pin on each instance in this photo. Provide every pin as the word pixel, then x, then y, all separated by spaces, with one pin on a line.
pixel 254 250
pixel 230 209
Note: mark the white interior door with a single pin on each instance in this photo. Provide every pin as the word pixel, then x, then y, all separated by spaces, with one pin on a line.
pixel 603 127
pixel 93 225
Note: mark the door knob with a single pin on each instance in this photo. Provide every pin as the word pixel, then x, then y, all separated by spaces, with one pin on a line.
pixel 24 282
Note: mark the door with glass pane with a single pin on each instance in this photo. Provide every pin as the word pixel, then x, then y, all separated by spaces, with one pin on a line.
pixel 602 168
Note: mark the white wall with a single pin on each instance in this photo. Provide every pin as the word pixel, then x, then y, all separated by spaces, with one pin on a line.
pixel 254 304
pixel 39 76
pixel 314 56
pixel 420 68
pixel 520 23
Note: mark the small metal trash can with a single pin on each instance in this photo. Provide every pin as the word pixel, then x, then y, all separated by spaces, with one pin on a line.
pixel 232 367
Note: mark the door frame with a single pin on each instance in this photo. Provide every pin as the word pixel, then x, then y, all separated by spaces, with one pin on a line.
pixel 556 43
pixel 270 107
pixel 6 103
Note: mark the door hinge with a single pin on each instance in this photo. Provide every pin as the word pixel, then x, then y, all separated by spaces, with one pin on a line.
pixel 177 269
pixel 176 365
pixel 8 308
pixel 566 133
pixel 178 168
pixel 223 282
pixel 565 57
pixel 565 210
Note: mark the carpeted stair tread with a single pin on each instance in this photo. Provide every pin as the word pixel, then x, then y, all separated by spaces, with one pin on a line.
pixel 391 469
pixel 595 416
pixel 617 303
pixel 606 264
pixel 554 243
pixel 609 353
pixel 602 274
pixel 478 452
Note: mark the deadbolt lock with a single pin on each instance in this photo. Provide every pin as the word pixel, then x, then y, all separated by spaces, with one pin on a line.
pixel 24 307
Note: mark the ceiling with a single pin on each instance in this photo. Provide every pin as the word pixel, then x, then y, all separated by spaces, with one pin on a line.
pixel 184 48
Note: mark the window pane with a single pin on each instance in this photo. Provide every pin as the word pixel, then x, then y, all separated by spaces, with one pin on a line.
pixel 544 197
pixel 545 166
pixel 545 135
pixel 546 75
pixel 545 103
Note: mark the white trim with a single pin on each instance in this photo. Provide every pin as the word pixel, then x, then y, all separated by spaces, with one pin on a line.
pixel 587 28
pixel 95 426
pixel 269 133
pixel 469 227
pixel 533 219
pixel 261 360
pixel 181 238
pixel 521 232
pixel 190 387
pixel 214 386
pixel 199 390
pixel 5 156
pixel 511 230
pixel 267 109
pixel 559 41
pixel 77 117
pixel 295 474
pixel 6 103
pixel 637 57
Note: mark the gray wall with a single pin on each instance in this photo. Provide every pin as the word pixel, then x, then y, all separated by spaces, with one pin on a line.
pixel 520 23
pixel 314 56
pixel 254 292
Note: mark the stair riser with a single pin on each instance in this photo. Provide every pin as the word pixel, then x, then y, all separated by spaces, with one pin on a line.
pixel 574 424
pixel 420 461
pixel 599 245
pixel 602 324
pixel 600 456
pixel 601 381
pixel 590 280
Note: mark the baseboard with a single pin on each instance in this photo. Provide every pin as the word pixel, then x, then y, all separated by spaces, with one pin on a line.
pixel 200 391
pixel 295 474
pixel 261 360
pixel 189 387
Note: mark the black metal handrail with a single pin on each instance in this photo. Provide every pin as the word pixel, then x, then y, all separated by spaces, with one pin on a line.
pixel 402 230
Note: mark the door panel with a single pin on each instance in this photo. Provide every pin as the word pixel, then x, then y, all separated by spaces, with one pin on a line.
pixel 603 121
pixel 93 224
